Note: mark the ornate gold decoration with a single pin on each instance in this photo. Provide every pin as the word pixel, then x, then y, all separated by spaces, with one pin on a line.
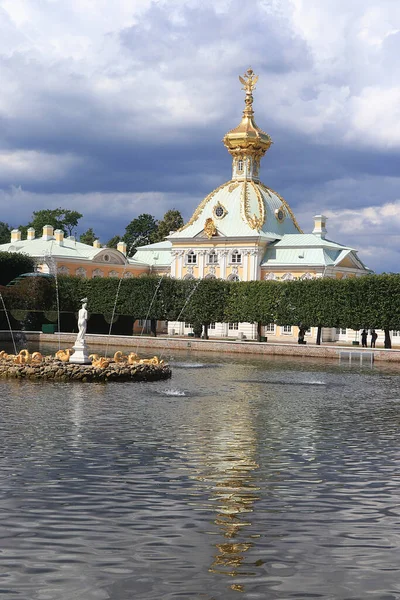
pixel 247 139
pixel 254 221
pixel 233 186
pixel 219 205
pixel 202 205
pixel 285 204
pixel 210 228
pixel 249 81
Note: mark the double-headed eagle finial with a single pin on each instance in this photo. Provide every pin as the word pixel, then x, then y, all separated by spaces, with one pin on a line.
pixel 249 81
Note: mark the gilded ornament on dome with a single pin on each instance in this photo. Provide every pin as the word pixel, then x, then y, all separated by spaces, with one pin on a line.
pixel 210 228
pixel 219 211
pixel 233 186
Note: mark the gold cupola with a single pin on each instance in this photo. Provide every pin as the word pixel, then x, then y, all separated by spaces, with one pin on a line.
pixel 247 143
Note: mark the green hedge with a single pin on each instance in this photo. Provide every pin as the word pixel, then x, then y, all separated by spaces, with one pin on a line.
pixel 13 264
pixel 370 301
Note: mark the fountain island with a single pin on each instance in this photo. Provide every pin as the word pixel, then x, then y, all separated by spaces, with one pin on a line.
pixel 76 364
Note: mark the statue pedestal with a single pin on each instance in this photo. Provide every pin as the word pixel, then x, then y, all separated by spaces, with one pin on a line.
pixel 80 355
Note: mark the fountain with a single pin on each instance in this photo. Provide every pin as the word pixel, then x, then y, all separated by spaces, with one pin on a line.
pixel 76 365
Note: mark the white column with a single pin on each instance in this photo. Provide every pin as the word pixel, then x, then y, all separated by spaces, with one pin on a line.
pixel 246 254
pixel 254 265
pixel 224 260
pixel 202 254
pixel 180 264
pixel 173 264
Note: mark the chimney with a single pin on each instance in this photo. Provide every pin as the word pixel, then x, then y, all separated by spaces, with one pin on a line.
pixel 121 247
pixel 30 234
pixel 319 226
pixel 59 235
pixel 47 232
pixel 15 235
pixel 96 244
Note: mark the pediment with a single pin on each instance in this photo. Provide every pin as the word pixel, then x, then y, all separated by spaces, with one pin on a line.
pixel 109 256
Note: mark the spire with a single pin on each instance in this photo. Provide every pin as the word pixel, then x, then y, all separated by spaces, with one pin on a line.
pixel 247 143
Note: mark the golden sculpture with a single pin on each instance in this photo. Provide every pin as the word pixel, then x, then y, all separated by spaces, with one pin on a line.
pixel 249 81
pixel 210 228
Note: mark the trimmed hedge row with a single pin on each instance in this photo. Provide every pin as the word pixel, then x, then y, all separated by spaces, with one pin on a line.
pixel 370 301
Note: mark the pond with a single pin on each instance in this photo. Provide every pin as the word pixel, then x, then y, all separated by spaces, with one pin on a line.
pixel 237 478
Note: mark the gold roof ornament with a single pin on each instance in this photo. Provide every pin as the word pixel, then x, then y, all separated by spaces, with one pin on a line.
pixel 210 228
pixel 247 139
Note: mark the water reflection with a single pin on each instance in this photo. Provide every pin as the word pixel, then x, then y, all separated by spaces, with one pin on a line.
pixel 225 461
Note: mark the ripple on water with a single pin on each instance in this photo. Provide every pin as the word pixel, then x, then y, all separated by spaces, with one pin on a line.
pixel 281 490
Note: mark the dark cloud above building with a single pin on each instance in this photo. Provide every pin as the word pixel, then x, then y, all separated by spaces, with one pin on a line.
pixel 122 111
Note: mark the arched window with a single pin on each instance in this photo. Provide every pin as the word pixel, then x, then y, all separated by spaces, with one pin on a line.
pixel 236 257
pixel 188 276
pixel 63 270
pixel 113 274
pixel 210 276
pixel 191 258
pixel 307 276
pixel 233 278
pixel 128 275
pixel 240 165
pixel 270 277
pixel 213 258
pixel 81 272
pixel 288 277
pixel 98 273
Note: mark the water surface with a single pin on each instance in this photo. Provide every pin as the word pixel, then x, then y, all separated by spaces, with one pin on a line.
pixel 238 478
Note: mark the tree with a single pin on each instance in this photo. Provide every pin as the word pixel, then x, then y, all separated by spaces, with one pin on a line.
pixel 113 242
pixel 140 232
pixel 13 264
pixel 70 220
pixel 88 237
pixel 171 221
pixel 59 218
pixel 5 233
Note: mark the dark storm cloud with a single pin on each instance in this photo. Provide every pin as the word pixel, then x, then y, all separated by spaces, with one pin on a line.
pixel 117 114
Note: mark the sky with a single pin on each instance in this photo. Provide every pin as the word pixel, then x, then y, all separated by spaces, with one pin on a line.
pixel 118 107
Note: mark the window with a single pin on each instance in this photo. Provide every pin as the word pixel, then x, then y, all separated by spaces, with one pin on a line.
pixel 213 258
pixel 106 257
pixel 340 331
pixel 98 273
pixel 81 272
pixel 191 258
pixel 270 328
pixel 287 329
pixel 240 165
pixel 288 277
pixel 234 326
pixel 188 325
pixel 212 326
pixel 236 257
pixel 396 333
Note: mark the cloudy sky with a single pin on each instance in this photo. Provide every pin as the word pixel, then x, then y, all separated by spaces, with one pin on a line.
pixel 118 107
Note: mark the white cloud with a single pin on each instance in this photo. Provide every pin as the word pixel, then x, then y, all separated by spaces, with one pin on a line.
pixel 83 76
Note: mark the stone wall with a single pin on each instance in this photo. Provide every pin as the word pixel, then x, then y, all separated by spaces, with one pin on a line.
pixel 164 344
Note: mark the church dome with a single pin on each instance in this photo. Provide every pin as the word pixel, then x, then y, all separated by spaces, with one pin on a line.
pixel 243 206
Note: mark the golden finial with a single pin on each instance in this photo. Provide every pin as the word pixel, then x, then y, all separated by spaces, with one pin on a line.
pixel 249 81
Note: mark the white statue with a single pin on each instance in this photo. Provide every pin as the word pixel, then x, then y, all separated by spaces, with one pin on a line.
pixel 80 355
pixel 82 322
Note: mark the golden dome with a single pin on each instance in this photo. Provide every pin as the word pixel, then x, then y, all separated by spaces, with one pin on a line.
pixel 247 139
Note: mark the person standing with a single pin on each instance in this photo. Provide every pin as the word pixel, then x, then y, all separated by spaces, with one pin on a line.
pixel 374 337
pixel 364 335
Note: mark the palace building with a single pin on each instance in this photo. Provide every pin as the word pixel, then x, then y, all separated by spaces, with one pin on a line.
pixel 241 231
pixel 244 230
